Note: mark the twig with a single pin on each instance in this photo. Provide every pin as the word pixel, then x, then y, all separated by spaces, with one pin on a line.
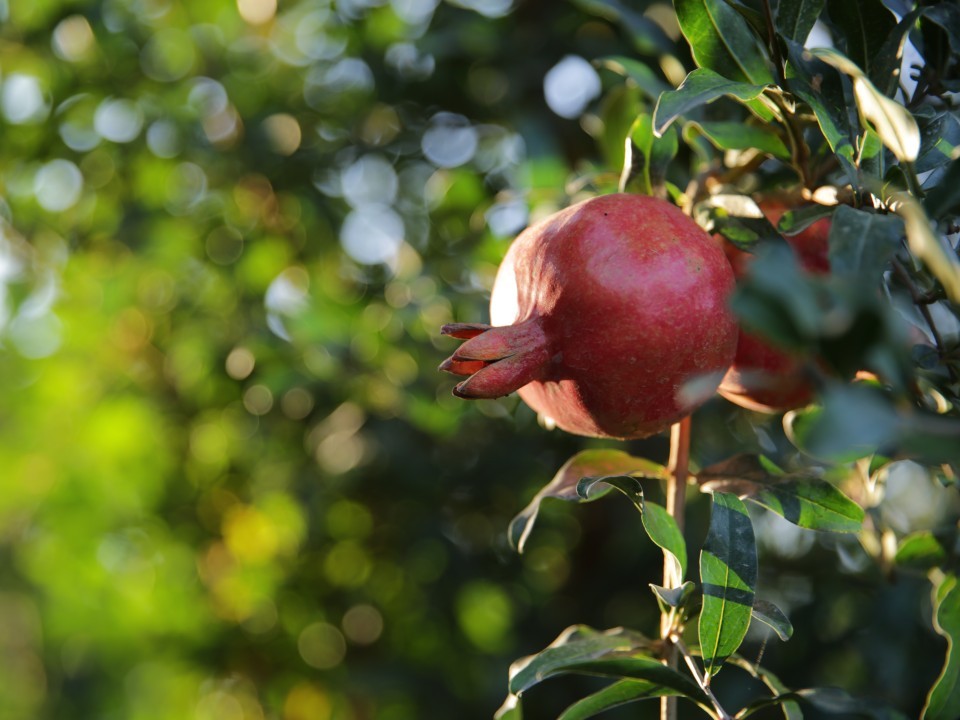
pixel 772 40
pixel 678 468
pixel 698 676
pixel 919 300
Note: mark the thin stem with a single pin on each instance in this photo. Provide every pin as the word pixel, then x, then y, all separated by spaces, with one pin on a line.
pixel 698 676
pixel 774 46
pixel 678 468
pixel 918 300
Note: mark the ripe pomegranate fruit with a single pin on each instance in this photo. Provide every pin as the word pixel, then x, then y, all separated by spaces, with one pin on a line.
pixel 602 314
pixel 762 377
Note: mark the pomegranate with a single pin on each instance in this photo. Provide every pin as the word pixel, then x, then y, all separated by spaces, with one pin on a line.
pixel 603 315
pixel 762 377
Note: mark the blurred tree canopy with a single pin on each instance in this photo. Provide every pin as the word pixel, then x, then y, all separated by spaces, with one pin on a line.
pixel 234 485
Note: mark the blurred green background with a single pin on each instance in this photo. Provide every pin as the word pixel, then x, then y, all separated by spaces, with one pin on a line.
pixel 234 486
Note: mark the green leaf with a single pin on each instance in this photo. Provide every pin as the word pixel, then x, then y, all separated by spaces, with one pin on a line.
pixel 647 158
pixel 796 18
pixel 947 16
pixel 922 550
pixel 894 124
pixel 737 218
pixel 861 243
pixel 597 463
pixel 820 87
pixel 722 40
pixel 790 709
pixel 738 136
pixel 943 702
pixel 927 246
pixel 939 138
pixel 795 221
pixel 636 72
pixel 885 71
pixel 944 198
pixel 728 573
pixel 829 700
pixel 660 526
pixel 864 27
pixel 700 87
pixel 675 597
pixel 773 617
pixel 807 502
pixel 615 695
pixel 617 653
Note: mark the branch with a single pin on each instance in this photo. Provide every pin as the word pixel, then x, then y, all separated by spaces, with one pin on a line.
pixel 698 676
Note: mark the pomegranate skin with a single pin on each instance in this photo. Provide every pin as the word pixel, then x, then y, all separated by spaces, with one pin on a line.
pixel 602 314
pixel 764 378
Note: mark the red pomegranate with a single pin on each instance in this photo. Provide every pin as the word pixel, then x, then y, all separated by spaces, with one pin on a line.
pixel 762 377
pixel 603 315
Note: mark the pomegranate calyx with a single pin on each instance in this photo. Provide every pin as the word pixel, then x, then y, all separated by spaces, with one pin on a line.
pixel 497 360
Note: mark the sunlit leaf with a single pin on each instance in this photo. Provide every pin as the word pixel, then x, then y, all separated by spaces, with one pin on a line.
pixel 615 695
pixel 589 463
pixel 722 40
pixel 637 72
pixel 943 702
pixel 700 87
pixel 922 550
pixel 892 121
pixel 927 245
pixel 647 157
pixel 728 572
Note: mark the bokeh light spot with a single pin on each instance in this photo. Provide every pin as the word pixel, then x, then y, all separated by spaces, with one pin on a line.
pixel 307 702
pixel 118 120
pixel 283 133
pixel 321 646
pixel 570 85
pixel 57 185
pixel 450 141
pixel 362 624
pixel 372 234
pixel 73 38
pixel 23 100
pixel 257 12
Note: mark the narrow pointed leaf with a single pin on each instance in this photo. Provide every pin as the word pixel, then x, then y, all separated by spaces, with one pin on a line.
pixel 728 572
pixel 673 597
pixel 722 40
pixel 922 550
pixel 773 617
pixel 789 708
pixel 820 87
pixel 807 502
pixel 943 702
pixel 894 124
pixel 861 243
pixel 660 527
pixel 595 463
pixel 796 221
pixel 647 158
pixel 700 87
pixel 615 695
pixel 926 245
pixel 865 26
pixel 576 644
pixel 737 136
pixel 796 18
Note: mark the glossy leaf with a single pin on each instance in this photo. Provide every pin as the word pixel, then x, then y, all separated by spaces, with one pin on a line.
pixel 820 87
pixel 799 219
pixel 647 36
pixel 945 197
pixel 807 502
pixel 659 525
pixel 615 695
pixel 739 219
pixel 738 136
pixel 722 40
pixel 943 702
pixel 861 243
pixel 926 244
pixel 647 157
pixel 939 139
pixel 675 597
pixel 827 700
pixel 891 121
pixel 796 18
pixel 700 87
pixel 864 25
pixel 886 68
pixel 616 653
pixel 773 617
pixel 789 708
pixel 728 573
pixel 592 463
pixel 947 16
pixel 922 550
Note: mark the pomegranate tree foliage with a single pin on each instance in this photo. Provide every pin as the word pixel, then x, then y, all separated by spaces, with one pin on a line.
pixel 846 110
pixel 234 486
